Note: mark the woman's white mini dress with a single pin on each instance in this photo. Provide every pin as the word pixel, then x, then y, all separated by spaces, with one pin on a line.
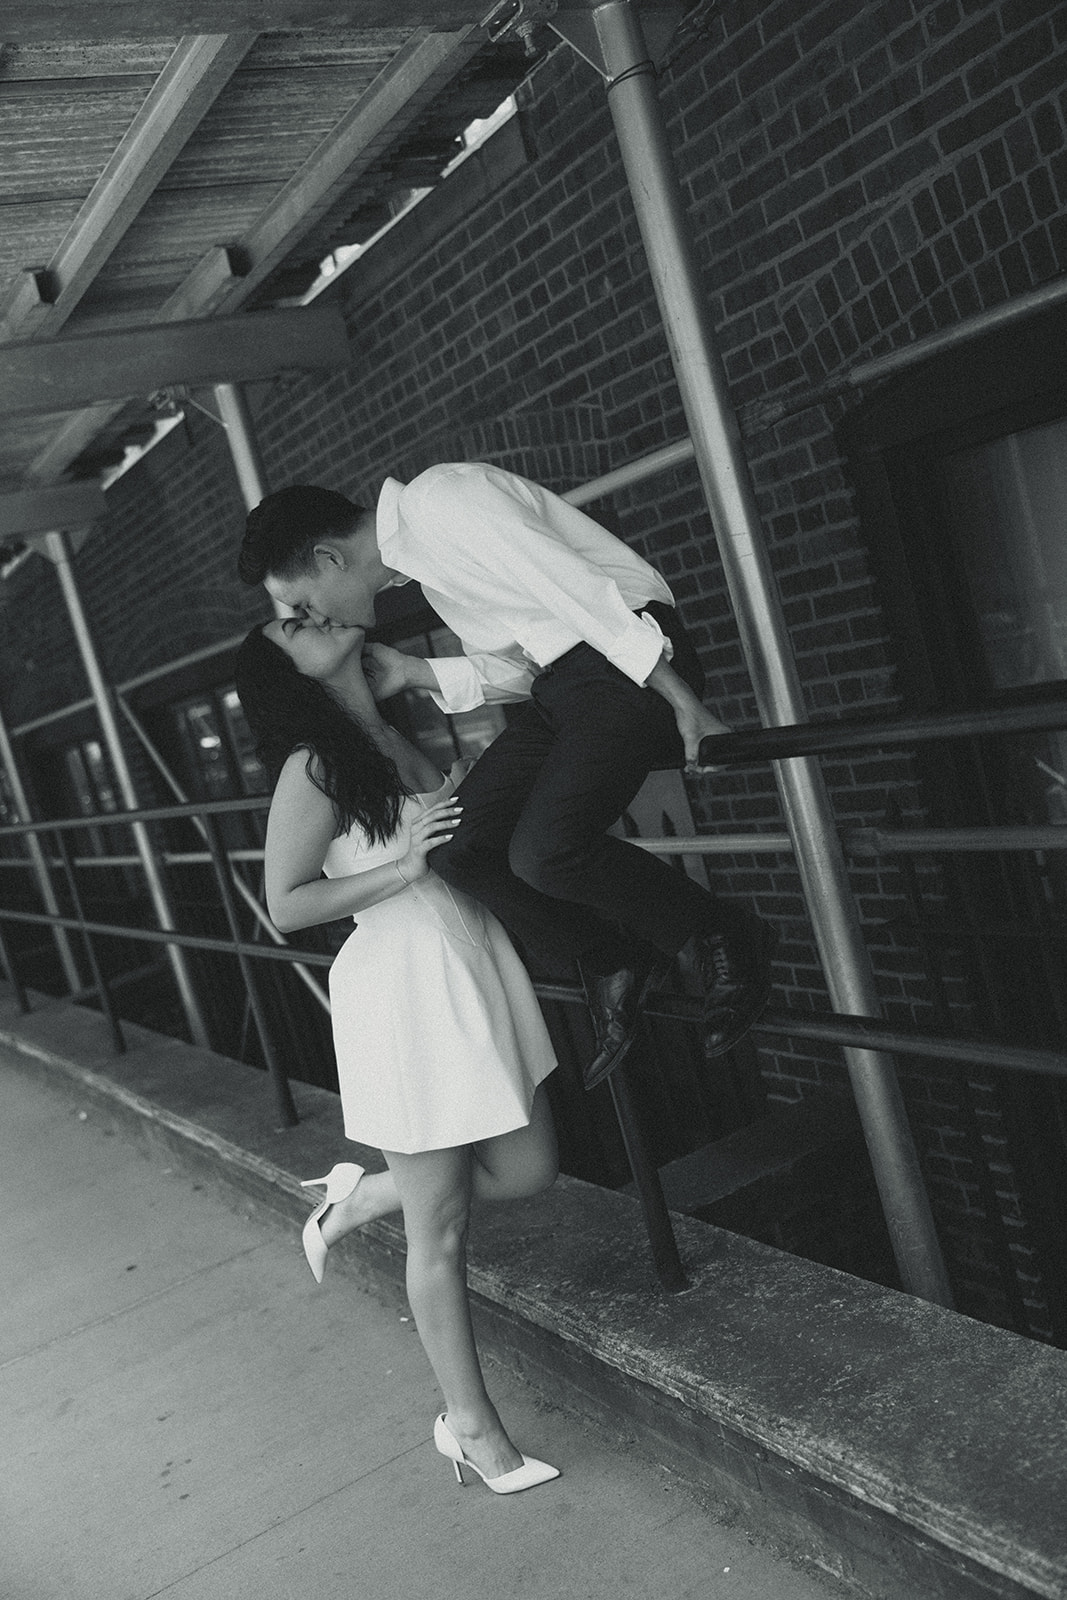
pixel 438 1034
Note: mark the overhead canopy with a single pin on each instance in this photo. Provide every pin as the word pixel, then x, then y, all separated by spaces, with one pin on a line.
pixel 38 21
pixel 154 174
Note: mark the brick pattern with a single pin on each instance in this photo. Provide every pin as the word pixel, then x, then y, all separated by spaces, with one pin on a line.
pixel 857 177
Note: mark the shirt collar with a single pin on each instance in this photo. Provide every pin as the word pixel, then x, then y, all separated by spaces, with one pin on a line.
pixel 387 525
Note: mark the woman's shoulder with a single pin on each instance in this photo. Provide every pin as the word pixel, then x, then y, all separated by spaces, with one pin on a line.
pixel 300 778
pixel 304 760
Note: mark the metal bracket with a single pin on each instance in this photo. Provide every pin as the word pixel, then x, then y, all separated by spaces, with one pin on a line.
pixel 521 17
pixel 577 27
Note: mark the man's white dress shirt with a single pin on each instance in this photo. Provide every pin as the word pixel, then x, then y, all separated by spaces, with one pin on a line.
pixel 520 575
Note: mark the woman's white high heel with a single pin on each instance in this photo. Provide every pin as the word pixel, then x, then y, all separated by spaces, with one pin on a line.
pixel 340 1182
pixel 528 1476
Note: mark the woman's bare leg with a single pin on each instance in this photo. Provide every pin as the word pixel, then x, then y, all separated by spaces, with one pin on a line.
pixel 508 1167
pixel 435 1191
pixel 521 1163
pixel 374 1196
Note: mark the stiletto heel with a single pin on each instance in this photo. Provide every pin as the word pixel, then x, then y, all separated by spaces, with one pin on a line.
pixel 528 1476
pixel 340 1182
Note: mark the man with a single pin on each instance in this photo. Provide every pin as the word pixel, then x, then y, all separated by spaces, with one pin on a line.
pixel 554 611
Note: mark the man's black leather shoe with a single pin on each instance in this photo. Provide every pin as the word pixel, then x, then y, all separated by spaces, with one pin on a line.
pixel 734 972
pixel 614 1000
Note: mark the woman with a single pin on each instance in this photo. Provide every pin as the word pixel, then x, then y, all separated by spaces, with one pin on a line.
pixel 441 1048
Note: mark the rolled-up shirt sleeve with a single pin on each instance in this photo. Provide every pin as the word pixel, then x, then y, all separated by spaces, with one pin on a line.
pixel 465 682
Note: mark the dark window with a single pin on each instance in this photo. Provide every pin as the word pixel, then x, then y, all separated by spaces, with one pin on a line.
pixel 961 466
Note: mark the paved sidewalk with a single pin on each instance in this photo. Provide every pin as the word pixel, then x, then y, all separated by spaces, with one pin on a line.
pixel 186 1414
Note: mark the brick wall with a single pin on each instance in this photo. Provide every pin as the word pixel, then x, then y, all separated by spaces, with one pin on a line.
pixel 857 176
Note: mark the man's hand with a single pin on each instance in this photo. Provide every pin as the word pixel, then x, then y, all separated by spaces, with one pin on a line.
pixel 695 724
pixel 695 721
pixel 385 670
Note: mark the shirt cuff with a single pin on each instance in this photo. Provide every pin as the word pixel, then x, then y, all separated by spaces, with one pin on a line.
pixel 640 648
pixel 458 685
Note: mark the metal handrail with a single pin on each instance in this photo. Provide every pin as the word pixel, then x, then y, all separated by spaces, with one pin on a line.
pixel 862 841
pixel 826 1028
pixel 863 733
pixel 190 941
pixel 733 749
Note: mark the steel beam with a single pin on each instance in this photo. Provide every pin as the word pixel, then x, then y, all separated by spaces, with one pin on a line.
pixel 623 58
pixel 195 75
pixel 30 22
pixel 26 512
pixel 391 103
pixel 63 374
pixel 228 274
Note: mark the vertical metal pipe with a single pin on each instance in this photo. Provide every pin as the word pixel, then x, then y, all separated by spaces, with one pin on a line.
pixel 103 992
pixel 220 861
pixel 245 451
pixel 244 447
pixel 724 474
pixel 37 856
pixel 58 550
pixel 8 963
pixel 662 1242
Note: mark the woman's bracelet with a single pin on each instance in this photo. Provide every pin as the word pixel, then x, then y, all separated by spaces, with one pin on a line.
pixel 405 881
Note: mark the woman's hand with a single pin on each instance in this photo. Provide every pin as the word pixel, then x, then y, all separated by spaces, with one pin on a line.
pixel 429 829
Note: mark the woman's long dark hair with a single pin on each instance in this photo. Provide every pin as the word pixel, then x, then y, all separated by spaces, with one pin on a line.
pixel 288 712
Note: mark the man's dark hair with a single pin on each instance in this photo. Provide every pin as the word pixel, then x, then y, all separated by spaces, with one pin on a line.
pixel 282 531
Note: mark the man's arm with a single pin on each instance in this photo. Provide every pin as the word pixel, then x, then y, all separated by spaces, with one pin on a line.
pixel 387 671
pixel 456 683
pixel 694 719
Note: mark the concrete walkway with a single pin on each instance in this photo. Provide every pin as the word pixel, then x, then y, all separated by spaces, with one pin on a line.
pixel 186 1414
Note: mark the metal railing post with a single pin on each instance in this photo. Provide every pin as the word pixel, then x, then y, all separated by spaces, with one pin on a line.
pixel 58 549
pixel 21 997
pixel 662 1242
pixel 713 425
pixel 220 862
pixel 37 856
pixel 97 970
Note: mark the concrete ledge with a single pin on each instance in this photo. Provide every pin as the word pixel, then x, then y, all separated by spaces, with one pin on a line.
pixel 909 1451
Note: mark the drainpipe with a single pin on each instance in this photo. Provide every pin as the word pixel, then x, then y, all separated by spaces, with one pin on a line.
pixel 36 854
pixel 56 546
pixel 610 37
